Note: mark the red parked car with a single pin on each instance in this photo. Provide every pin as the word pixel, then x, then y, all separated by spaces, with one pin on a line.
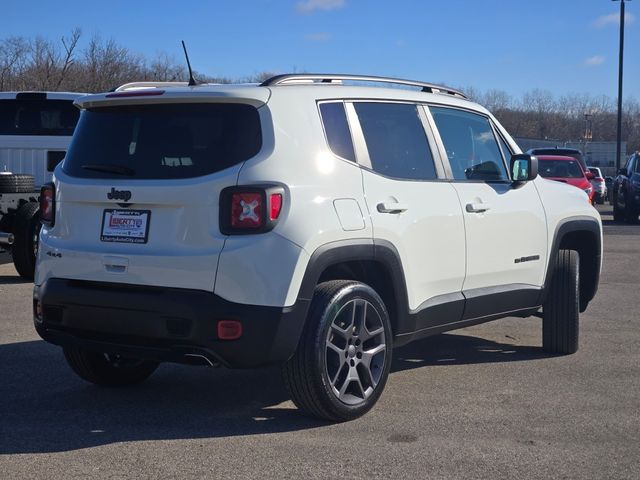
pixel 567 170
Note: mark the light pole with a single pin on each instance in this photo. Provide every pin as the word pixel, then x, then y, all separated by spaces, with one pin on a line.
pixel 621 51
pixel 588 135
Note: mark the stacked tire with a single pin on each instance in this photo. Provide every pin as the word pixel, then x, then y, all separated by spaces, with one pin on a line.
pixel 26 224
pixel 16 183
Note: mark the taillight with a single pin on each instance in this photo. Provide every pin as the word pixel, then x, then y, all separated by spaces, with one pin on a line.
pixel 276 206
pixel 247 210
pixel 252 209
pixel 47 204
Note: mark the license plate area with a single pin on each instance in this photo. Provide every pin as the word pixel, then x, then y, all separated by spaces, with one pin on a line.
pixel 125 226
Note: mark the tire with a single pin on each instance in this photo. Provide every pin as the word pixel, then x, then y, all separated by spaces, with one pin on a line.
pixel 561 309
pixel 630 215
pixel 108 370
pixel 26 229
pixel 343 359
pixel 618 214
pixel 16 183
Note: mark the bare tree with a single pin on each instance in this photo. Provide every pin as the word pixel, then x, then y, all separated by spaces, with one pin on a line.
pixel 68 60
pixel 13 52
pixel 40 64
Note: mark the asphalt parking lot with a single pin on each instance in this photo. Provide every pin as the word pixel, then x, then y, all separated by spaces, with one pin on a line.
pixel 482 402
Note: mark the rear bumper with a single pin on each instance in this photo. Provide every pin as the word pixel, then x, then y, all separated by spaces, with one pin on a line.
pixel 164 324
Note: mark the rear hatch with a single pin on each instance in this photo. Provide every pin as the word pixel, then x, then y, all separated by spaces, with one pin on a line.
pixel 138 192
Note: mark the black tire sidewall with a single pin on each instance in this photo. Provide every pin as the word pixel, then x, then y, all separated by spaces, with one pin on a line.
pixel 27 223
pixel 93 367
pixel 561 310
pixel 618 213
pixel 344 295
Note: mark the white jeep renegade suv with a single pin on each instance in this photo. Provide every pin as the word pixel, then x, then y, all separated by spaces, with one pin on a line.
pixel 315 221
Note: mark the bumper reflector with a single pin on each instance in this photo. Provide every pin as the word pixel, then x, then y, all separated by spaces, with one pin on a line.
pixel 229 329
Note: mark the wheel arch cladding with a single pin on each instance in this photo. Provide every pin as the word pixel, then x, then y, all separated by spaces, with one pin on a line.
pixel 376 264
pixel 582 234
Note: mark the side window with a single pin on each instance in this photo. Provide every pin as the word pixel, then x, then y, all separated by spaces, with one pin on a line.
pixel 636 168
pixel 506 151
pixel 336 128
pixel 471 146
pixel 629 167
pixel 396 140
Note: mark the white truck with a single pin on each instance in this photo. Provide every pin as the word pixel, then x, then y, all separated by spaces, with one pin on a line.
pixel 35 132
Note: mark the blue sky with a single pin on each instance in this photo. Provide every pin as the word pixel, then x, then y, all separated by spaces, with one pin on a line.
pixel 564 46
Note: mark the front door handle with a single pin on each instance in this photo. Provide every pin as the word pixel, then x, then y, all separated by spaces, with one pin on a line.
pixel 478 207
pixel 392 207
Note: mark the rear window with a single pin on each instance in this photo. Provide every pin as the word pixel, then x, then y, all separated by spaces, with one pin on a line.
pixel 38 117
pixel 560 169
pixel 163 141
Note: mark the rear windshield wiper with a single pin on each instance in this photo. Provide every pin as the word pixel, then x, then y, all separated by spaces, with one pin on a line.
pixel 109 168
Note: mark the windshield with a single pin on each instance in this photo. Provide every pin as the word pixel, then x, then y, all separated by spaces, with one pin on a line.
pixel 560 169
pixel 38 117
pixel 163 141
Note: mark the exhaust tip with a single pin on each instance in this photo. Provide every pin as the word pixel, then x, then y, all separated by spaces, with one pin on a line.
pixel 198 359
pixel 6 238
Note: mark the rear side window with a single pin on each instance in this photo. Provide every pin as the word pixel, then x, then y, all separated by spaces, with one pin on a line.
pixel 38 117
pixel 396 140
pixel 163 141
pixel 336 128
pixel 471 146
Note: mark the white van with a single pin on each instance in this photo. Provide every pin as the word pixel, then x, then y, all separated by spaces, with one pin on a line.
pixel 35 132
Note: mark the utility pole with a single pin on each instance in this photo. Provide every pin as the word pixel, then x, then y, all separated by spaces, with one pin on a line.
pixel 620 60
pixel 588 136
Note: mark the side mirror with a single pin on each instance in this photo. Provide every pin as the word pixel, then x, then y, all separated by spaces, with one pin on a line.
pixel 622 171
pixel 590 176
pixel 524 167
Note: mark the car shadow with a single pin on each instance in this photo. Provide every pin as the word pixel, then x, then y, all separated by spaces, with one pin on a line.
pixel 455 349
pixel 46 408
pixel 13 280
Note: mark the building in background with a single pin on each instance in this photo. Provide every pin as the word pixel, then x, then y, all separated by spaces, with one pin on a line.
pixel 596 154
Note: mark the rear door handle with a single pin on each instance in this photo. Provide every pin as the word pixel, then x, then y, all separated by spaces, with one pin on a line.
pixel 392 207
pixel 478 207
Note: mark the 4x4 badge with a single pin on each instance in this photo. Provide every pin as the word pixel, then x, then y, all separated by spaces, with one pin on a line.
pixel 119 194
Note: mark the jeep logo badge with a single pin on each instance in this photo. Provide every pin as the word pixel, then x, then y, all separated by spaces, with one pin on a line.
pixel 119 194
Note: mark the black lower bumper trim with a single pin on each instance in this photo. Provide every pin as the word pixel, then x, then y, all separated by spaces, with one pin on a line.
pixel 164 324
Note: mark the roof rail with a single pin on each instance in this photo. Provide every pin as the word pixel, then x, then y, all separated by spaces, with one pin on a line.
pixel 135 85
pixel 297 78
